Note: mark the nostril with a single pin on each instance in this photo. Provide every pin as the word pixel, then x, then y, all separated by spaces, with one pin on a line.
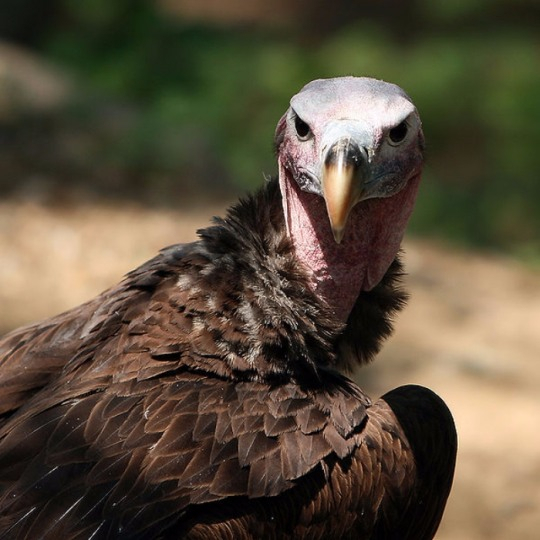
pixel 346 152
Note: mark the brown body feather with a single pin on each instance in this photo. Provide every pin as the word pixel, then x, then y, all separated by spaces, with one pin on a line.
pixel 201 398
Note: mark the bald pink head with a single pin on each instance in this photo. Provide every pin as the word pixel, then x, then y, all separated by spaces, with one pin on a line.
pixel 350 158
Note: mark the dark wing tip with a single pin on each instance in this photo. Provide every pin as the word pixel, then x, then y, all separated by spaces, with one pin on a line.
pixel 421 411
pixel 429 427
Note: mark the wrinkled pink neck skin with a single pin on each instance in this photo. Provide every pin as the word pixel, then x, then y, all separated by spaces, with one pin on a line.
pixel 375 229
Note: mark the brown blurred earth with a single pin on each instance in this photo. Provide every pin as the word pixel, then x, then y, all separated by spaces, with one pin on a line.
pixel 471 332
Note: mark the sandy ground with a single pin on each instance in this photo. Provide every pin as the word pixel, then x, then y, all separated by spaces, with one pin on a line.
pixel 471 332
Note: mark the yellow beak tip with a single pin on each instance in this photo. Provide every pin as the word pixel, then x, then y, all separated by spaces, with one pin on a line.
pixel 338 234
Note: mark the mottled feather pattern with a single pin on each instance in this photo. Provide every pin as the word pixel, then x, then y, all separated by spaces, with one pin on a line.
pixel 178 425
pixel 199 399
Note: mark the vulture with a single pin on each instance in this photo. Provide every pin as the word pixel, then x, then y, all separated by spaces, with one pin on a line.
pixel 206 396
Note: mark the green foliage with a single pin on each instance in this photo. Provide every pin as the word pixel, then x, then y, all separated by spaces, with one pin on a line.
pixel 205 93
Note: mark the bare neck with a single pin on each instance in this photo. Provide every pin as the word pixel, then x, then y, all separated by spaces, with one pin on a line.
pixel 339 272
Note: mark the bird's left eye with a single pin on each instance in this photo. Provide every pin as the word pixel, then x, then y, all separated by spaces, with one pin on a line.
pixel 398 133
pixel 302 129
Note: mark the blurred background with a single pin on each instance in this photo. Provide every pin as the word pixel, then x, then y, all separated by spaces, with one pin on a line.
pixel 126 124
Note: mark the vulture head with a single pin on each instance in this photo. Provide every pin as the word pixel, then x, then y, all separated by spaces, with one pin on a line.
pixel 350 155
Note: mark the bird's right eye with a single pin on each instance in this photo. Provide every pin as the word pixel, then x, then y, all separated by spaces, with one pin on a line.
pixel 398 133
pixel 302 129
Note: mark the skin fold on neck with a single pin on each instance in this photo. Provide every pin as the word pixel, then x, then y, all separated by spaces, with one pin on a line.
pixel 339 272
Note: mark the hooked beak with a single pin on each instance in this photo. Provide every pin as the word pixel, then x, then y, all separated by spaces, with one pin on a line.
pixel 344 175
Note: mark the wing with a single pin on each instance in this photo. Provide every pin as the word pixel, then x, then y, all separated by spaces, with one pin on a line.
pixel 137 457
pixel 30 357
pixel 33 356
pixel 193 455
pixel 426 423
pixel 394 484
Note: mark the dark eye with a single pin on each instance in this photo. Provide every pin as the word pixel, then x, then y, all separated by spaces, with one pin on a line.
pixel 302 129
pixel 398 133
